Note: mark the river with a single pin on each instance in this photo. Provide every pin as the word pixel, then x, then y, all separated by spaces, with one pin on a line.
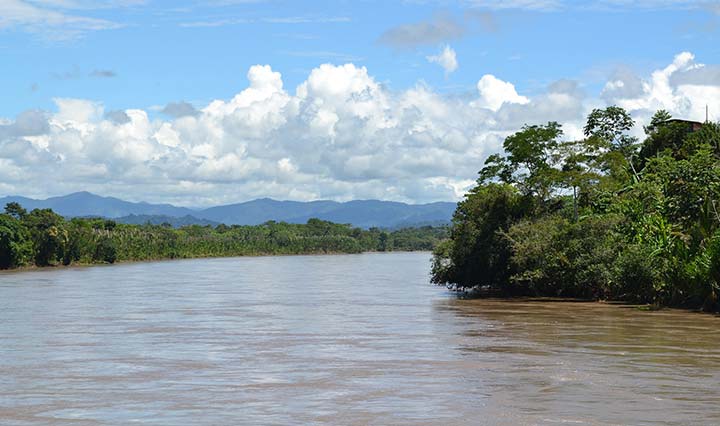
pixel 335 340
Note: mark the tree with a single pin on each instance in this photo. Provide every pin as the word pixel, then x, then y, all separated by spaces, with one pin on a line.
pixel 664 135
pixel 383 241
pixel 105 251
pixel 552 256
pixel 15 246
pixel 650 240
pixel 476 253
pixel 708 136
pixel 691 186
pixel 531 155
pixel 573 177
pixel 610 126
pixel 15 210
pixel 660 118
pixel 47 234
pixel 579 168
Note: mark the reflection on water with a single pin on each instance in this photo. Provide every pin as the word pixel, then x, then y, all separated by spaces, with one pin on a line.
pixel 351 340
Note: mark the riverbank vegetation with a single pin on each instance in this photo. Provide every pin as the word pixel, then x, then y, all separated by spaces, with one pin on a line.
pixel 44 238
pixel 604 217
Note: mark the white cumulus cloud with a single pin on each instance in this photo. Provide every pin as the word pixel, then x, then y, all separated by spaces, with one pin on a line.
pixel 447 59
pixel 495 92
pixel 340 134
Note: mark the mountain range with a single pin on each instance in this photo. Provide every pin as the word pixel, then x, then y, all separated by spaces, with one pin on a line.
pixel 361 213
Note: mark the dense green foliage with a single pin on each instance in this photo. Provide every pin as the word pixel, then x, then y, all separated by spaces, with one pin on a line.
pixel 43 238
pixel 605 217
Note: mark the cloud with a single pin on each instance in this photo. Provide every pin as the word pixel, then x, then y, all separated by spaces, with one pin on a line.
pixel 215 23
pixel 68 75
pixel 713 7
pixel 624 83
pixel 291 20
pixel 655 4
pixel 230 2
pixel 340 134
pixel 439 29
pixel 307 20
pixel 103 73
pixel 323 54
pixel 87 4
pixel 684 88
pixel 536 5
pixel 180 109
pixel 447 59
pixel 486 20
pixel 28 123
pixel 77 73
pixel 118 117
pixel 494 93
pixel 48 20
pixel 561 5
pixel 697 75
pixel 666 88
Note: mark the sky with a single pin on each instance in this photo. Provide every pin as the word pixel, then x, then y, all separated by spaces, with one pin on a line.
pixel 200 103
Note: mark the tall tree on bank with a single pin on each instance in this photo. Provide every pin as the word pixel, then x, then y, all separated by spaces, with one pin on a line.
pixel 610 126
pixel 47 234
pixel 532 154
pixel 15 245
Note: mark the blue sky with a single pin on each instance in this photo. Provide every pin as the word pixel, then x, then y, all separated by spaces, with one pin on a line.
pixel 116 56
pixel 165 51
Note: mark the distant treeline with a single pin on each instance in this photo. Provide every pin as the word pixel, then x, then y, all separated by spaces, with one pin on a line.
pixel 44 238
pixel 605 217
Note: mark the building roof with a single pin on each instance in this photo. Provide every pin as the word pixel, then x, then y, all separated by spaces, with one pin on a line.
pixel 680 120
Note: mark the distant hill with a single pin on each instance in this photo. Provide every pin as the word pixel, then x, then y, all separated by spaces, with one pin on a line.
pixel 361 213
pixel 175 222
pixel 365 213
pixel 264 209
pixel 369 213
pixel 87 204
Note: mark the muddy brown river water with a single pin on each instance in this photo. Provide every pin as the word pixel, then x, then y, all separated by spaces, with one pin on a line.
pixel 335 340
